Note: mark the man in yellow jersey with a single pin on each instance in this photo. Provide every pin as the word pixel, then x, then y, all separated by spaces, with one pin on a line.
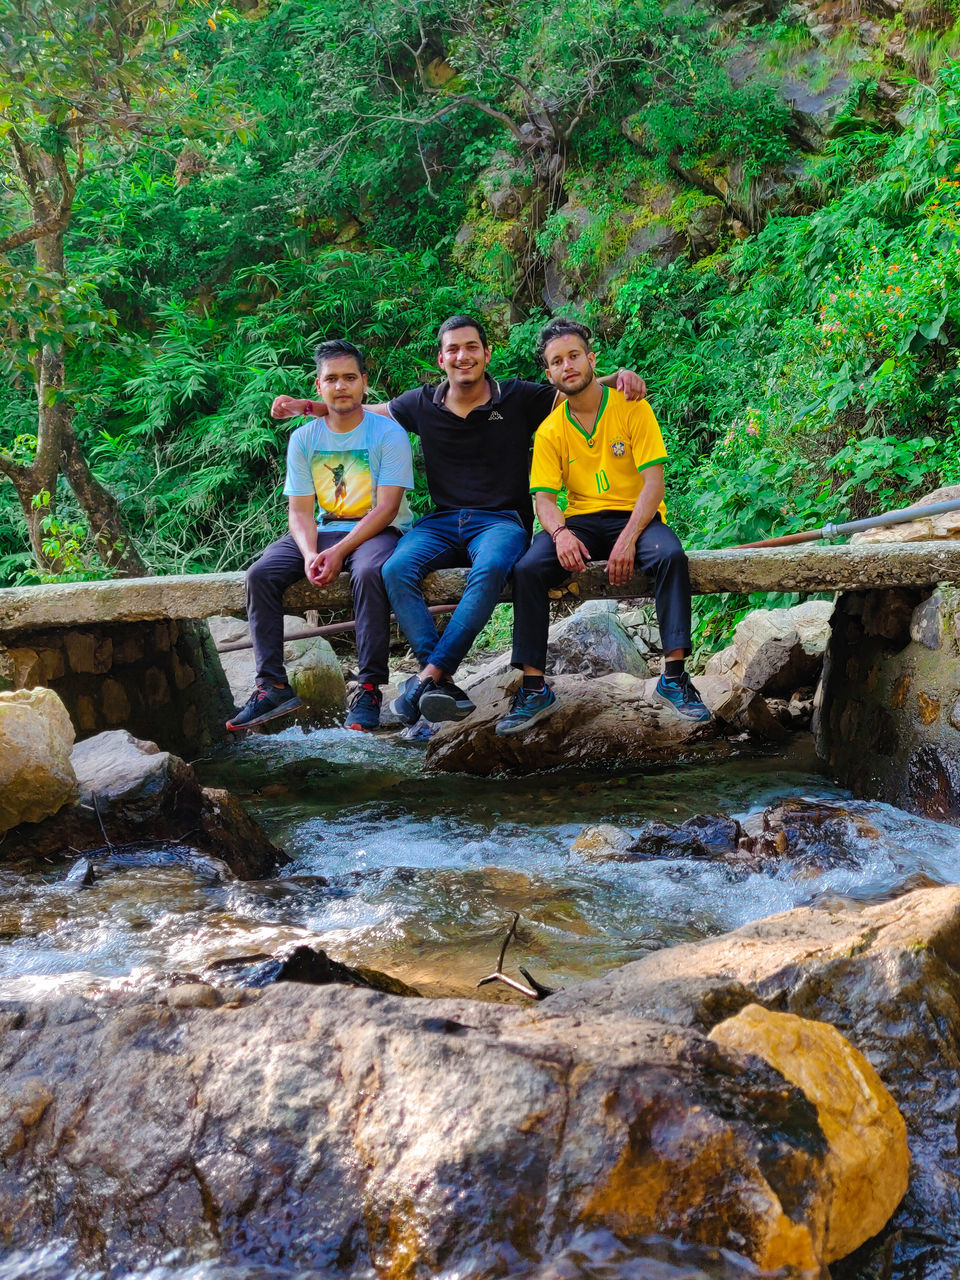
pixel 608 454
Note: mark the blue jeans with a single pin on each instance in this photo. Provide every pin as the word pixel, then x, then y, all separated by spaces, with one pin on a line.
pixel 489 542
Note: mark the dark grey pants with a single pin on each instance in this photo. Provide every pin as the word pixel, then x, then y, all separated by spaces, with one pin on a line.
pixel 658 554
pixel 281 565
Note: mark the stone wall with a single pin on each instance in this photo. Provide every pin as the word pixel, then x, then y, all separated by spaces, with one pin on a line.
pixel 160 680
pixel 888 724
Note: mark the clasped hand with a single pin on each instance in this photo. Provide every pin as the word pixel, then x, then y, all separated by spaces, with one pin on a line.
pixel 323 567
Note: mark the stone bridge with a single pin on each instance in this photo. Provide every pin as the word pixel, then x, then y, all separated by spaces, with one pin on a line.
pixel 136 653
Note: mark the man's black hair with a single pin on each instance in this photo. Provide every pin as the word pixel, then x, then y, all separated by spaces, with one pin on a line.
pixel 562 327
pixel 338 347
pixel 461 322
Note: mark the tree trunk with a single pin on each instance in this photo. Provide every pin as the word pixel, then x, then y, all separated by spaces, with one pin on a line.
pixel 113 543
pixel 57 447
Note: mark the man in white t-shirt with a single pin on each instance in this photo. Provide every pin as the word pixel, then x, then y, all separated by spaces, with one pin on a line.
pixel 356 466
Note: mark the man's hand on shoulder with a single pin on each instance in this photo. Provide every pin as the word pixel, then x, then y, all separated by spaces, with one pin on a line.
pixel 631 384
pixel 288 407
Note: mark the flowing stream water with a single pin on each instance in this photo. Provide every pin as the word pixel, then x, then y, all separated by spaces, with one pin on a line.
pixel 418 874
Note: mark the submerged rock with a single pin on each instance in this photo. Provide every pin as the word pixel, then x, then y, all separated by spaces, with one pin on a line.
pixel 36 776
pixel 810 833
pixel 313 966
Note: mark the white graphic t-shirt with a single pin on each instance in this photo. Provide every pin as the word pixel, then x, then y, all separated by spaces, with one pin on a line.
pixel 344 469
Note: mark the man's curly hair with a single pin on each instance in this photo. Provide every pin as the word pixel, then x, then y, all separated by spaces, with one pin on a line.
pixel 560 328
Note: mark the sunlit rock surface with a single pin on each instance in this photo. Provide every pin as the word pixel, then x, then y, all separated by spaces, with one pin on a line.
pixel 776 650
pixel 613 718
pixel 344 1129
pixel 36 736
pixel 329 1126
pixel 887 977
pixel 869 1158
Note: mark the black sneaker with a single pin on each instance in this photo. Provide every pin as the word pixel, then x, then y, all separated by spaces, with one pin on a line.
pixel 265 703
pixel 364 710
pixel 444 701
pixel 682 697
pixel 406 705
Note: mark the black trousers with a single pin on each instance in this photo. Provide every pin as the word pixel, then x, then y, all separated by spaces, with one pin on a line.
pixel 658 554
pixel 281 565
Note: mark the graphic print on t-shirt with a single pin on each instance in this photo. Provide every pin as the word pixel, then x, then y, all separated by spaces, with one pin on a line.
pixel 342 482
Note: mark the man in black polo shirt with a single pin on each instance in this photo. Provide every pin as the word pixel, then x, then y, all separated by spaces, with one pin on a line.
pixel 476 434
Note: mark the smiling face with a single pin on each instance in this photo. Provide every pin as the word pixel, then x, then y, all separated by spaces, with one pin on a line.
pixel 463 357
pixel 570 366
pixel 341 385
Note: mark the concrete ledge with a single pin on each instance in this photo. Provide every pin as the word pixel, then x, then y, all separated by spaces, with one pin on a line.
pixel 805 569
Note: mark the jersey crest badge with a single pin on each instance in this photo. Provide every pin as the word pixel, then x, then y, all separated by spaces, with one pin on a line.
pixel 619 448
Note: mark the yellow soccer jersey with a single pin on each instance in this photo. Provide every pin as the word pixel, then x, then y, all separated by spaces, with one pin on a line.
pixel 599 471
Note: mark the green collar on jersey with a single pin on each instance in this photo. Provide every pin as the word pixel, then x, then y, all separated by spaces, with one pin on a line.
pixel 574 423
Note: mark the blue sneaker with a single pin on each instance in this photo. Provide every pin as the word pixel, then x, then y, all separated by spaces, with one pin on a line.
pixel 406 705
pixel 528 706
pixel 682 697
pixel 364 711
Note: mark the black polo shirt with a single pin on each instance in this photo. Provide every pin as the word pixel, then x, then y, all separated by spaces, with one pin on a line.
pixel 481 461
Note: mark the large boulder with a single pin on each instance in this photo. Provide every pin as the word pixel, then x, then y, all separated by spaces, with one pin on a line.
pixel 592 642
pixel 352 1132
pixel 616 718
pixel 776 650
pixel 132 792
pixel 887 977
pixel 36 777
pixel 312 668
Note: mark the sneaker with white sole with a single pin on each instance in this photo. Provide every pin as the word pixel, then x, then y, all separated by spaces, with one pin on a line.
pixel 681 696
pixel 527 708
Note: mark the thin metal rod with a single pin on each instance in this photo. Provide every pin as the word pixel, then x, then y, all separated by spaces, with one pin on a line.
pixel 904 516
pixel 330 629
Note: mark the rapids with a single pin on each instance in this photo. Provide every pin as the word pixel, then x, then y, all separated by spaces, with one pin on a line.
pixel 418 874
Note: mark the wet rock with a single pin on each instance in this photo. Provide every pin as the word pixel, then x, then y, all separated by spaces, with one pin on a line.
pixel 615 718
pixel 81 875
pixel 887 977
pixel 313 669
pixel 36 777
pixel 776 651
pixel 811 834
pixel 350 1131
pixel 313 966
pixel 705 836
pixel 132 792
pixel 604 841
pixel 868 1155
